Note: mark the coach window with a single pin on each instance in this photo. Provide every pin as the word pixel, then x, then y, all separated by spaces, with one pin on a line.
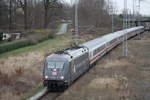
pixel 99 49
pixel 95 52
pixel 102 47
pixel 112 41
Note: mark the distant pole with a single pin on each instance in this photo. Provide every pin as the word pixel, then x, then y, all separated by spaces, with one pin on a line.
pixel 126 46
pixel 125 26
pixel 112 16
pixel 136 11
pixel 108 7
pixel 139 16
pixel 129 19
pixel 133 16
pixel 111 12
pixel 76 23
pixel 139 12
pixel 112 22
pixel 10 15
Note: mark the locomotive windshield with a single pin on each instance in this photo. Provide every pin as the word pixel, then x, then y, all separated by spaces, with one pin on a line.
pixel 57 65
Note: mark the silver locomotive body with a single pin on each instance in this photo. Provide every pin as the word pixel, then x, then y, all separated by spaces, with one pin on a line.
pixel 63 67
pixel 56 72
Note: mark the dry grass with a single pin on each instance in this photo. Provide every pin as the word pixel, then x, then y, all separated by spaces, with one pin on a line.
pixel 116 77
pixel 116 63
pixel 100 83
pixel 21 62
pixel 8 95
pixel 21 74
pixel 113 78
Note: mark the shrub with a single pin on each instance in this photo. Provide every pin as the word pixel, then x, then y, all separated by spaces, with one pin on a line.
pixel 14 45
pixel 37 37
pixel 32 38
pixel 37 31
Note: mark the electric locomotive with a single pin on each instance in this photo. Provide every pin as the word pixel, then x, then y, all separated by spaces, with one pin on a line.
pixel 63 67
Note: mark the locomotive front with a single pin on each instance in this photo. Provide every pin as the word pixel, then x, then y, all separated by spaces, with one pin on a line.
pixel 56 72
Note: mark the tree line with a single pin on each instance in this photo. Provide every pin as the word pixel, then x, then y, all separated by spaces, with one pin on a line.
pixel 94 12
pixel 29 14
pixel 33 14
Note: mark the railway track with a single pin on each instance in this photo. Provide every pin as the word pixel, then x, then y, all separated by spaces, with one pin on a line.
pixel 44 94
pixel 51 96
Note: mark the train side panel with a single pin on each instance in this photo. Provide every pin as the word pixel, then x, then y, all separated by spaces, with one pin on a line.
pixel 79 66
pixel 106 43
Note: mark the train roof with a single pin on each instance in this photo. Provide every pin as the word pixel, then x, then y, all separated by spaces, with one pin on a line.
pixel 74 52
pixel 69 53
pixel 106 38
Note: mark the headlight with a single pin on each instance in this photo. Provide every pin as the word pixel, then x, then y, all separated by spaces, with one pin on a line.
pixel 62 77
pixel 46 77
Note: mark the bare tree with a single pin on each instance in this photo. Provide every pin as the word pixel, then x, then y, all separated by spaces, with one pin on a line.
pixel 23 4
pixel 10 15
pixel 3 14
pixel 93 12
pixel 47 5
pixel 30 14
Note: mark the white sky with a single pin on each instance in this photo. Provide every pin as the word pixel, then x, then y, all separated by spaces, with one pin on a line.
pixel 145 5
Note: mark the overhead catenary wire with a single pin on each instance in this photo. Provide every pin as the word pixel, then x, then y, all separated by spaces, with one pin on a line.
pixel 133 16
pixel 76 29
pixel 129 18
pixel 139 8
pixel 112 19
pixel 111 12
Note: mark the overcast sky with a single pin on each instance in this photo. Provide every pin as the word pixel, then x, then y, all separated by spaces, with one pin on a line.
pixel 145 5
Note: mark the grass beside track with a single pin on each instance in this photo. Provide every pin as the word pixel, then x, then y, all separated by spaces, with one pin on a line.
pixel 21 69
pixel 54 41
pixel 31 38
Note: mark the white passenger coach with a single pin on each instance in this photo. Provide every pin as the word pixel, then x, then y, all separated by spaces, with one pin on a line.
pixel 100 46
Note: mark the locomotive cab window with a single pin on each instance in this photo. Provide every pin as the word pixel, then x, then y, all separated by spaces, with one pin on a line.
pixel 57 65
pixel 51 65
